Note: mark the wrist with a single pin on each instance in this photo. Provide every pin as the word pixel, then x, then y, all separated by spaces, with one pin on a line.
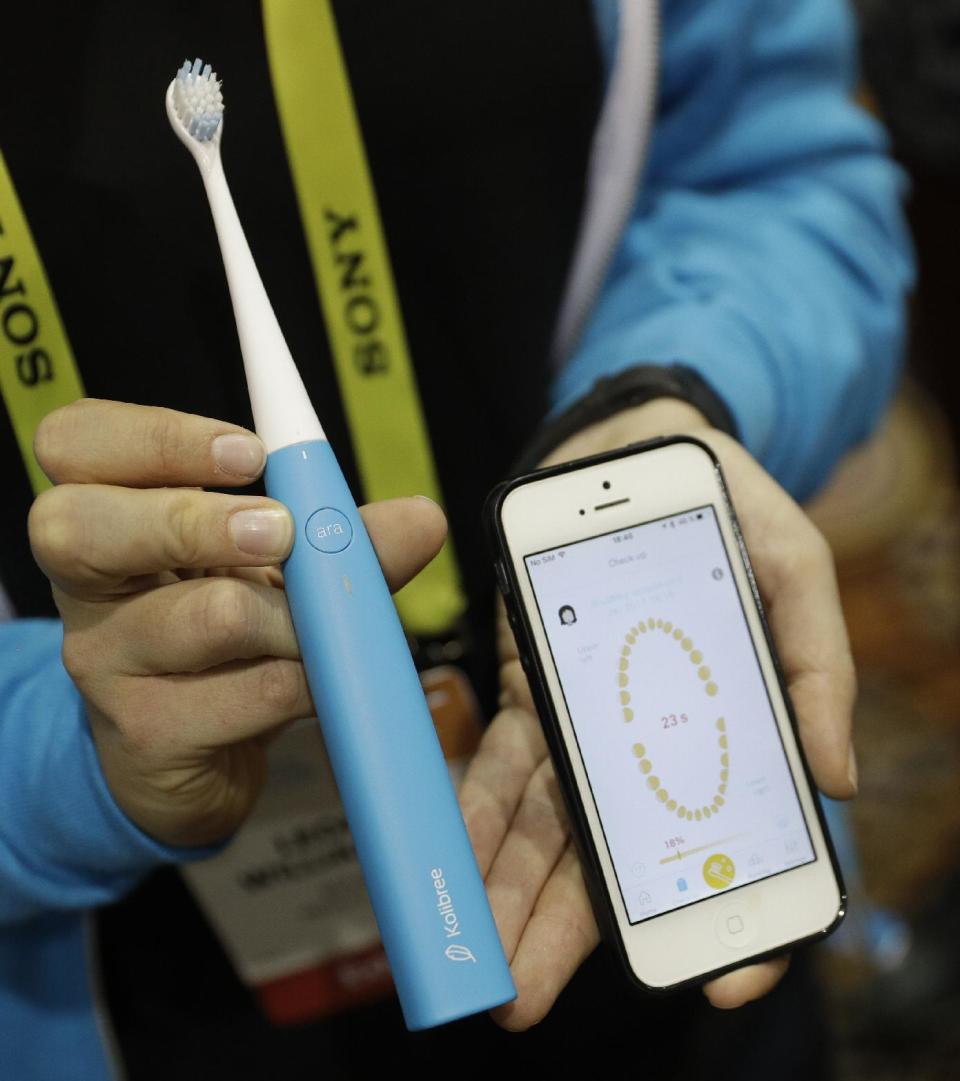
pixel 620 393
pixel 661 416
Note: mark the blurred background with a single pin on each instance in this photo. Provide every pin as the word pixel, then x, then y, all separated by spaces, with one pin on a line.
pixel 892 515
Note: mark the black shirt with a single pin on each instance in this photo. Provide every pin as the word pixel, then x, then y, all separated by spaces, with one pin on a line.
pixel 478 120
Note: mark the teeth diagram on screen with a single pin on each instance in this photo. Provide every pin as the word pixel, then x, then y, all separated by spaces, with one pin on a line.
pixel 676 799
pixel 672 719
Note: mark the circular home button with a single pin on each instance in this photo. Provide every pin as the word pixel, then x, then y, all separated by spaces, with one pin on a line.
pixel 735 926
pixel 329 530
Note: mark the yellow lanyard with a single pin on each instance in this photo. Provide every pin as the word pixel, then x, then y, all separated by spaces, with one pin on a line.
pixel 37 369
pixel 354 279
pixel 354 282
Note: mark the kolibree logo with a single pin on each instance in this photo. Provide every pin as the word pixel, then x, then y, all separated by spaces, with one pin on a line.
pixel 459 953
pixel 454 952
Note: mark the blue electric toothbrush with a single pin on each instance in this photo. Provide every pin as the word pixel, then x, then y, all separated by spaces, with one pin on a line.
pixel 420 871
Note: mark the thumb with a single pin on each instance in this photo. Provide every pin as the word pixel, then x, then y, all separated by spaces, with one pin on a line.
pixel 406 533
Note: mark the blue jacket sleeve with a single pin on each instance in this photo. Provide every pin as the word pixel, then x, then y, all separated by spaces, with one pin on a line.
pixel 64 843
pixel 767 248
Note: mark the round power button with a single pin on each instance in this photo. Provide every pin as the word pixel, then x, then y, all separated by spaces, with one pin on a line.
pixel 329 530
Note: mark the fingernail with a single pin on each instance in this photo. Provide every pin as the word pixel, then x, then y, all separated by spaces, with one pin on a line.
pixel 427 499
pixel 261 532
pixel 238 454
pixel 852 769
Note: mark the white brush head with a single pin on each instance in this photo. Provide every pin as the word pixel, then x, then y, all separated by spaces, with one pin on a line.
pixel 195 109
pixel 281 406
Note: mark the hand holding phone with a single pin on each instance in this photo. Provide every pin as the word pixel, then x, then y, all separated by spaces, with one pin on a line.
pixel 541 902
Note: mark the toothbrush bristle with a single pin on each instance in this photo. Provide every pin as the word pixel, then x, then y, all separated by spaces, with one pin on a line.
pixel 198 100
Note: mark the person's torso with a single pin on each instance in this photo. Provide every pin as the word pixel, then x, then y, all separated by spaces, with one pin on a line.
pixel 478 121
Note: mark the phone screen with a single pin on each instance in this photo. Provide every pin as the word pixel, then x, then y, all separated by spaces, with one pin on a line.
pixel 671 713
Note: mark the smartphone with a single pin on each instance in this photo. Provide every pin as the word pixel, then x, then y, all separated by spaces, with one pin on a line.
pixel 641 631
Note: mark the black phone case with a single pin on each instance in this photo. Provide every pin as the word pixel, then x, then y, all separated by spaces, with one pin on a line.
pixel 532 666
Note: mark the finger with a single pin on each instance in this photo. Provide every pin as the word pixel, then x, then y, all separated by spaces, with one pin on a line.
pixel 95 540
pixel 407 533
pixel 534 843
pixel 173 719
pixel 796 576
pixel 92 441
pixel 265 576
pixel 506 642
pixel 559 936
pixel 509 753
pixel 185 627
pixel 515 688
pixel 745 984
pixel 807 623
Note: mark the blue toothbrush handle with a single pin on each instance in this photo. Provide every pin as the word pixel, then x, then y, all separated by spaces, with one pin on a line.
pixel 420 870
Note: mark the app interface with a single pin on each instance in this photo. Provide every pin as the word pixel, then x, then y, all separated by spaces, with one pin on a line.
pixel 671 714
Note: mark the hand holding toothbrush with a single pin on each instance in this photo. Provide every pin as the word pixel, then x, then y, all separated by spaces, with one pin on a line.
pixel 175 630
pixel 418 866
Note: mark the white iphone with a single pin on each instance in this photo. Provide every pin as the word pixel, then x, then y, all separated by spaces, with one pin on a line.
pixel 641 631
